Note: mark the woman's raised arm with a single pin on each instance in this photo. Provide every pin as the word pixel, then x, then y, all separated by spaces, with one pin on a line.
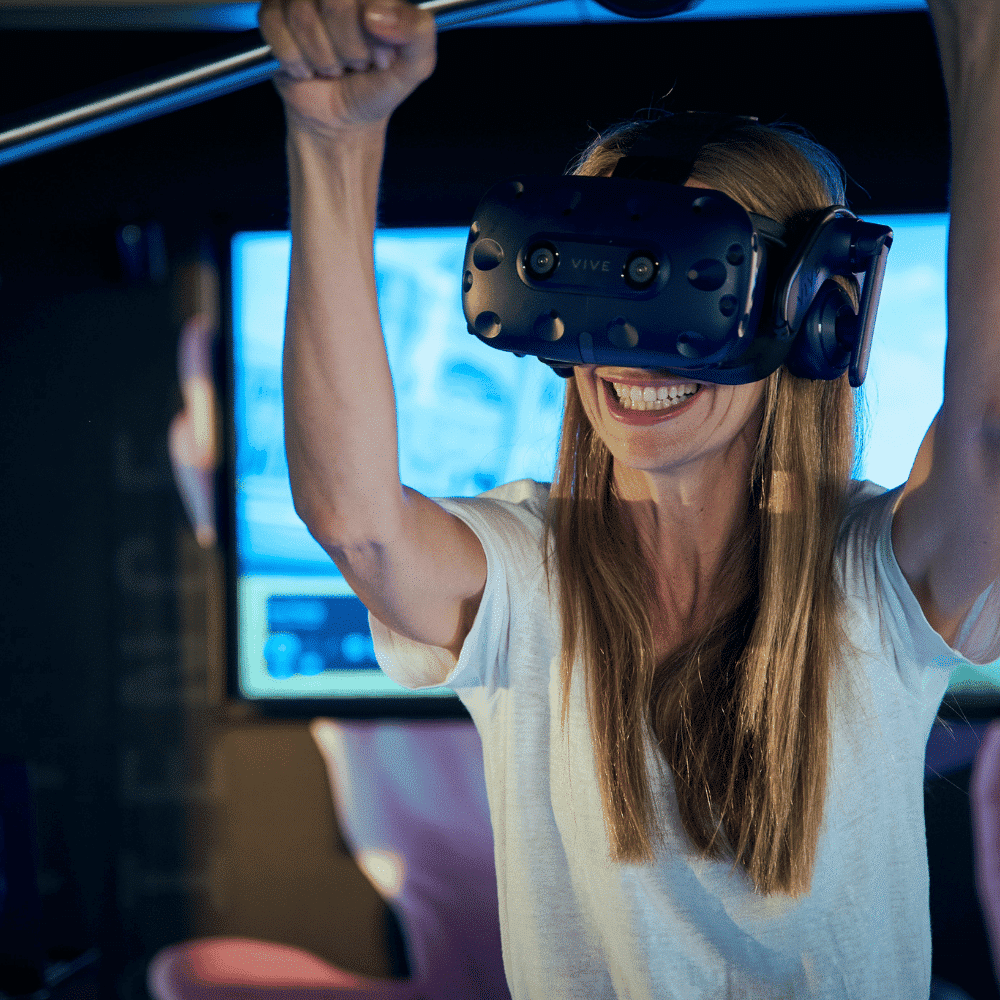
pixel 946 534
pixel 346 65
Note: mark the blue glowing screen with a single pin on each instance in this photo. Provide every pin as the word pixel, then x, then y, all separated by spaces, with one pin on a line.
pixel 470 418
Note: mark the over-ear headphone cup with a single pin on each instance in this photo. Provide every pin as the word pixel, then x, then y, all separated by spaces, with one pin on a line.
pixel 822 347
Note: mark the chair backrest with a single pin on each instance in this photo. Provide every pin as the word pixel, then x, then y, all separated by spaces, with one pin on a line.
pixel 411 803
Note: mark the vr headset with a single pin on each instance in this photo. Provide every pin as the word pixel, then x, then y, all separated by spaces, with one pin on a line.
pixel 636 270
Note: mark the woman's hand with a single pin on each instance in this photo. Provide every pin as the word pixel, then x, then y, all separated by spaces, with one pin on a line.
pixel 346 64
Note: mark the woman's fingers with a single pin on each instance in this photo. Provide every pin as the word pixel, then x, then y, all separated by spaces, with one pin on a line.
pixel 326 37
pixel 316 37
pixel 271 18
pixel 342 22
pixel 382 56
pixel 312 38
pixel 347 63
pixel 405 33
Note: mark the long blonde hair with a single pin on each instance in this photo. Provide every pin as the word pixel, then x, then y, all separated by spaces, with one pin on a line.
pixel 740 713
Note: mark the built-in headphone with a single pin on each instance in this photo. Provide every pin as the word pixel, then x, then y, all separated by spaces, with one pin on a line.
pixel 834 334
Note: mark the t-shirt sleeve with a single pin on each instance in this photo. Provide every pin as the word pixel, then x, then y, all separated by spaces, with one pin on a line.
pixel 871 565
pixel 510 531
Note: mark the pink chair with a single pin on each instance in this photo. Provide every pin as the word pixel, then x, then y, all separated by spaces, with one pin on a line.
pixel 411 803
pixel 984 794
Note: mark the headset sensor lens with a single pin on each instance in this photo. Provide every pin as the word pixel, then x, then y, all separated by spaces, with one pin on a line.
pixel 640 270
pixel 541 260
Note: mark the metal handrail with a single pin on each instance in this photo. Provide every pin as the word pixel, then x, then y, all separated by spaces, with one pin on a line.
pixel 194 86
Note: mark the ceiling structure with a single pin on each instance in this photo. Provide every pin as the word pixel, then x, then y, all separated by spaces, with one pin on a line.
pixel 237 15
pixel 866 85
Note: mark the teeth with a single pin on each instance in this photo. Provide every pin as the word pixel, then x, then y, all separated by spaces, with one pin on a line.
pixel 634 397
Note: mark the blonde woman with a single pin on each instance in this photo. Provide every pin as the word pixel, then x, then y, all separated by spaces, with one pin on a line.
pixel 704 664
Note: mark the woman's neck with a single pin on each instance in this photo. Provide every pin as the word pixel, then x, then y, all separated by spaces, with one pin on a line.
pixel 688 523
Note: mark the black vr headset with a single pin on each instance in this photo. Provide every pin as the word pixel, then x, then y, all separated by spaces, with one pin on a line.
pixel 638 271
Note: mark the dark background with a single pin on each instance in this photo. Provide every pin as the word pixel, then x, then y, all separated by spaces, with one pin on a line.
pixel 103 689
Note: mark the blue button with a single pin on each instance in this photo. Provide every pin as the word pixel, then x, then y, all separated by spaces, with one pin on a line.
pixel 281 653
pixel 311 664
pixel 357 648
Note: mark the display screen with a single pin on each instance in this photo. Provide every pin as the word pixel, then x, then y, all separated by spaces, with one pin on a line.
pixel 471 418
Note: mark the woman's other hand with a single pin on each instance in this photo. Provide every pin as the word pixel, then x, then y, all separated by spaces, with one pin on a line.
pixel 984 791
pixel 346 64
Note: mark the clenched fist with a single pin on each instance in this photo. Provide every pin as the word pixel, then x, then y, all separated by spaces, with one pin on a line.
pixel 346 64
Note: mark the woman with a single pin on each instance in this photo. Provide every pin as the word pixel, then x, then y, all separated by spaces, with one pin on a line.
pixel 705 665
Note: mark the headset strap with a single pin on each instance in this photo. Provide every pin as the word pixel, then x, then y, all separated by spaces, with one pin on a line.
pixel 667 148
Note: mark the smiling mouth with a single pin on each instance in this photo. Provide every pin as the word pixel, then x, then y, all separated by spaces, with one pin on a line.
pixel 648 397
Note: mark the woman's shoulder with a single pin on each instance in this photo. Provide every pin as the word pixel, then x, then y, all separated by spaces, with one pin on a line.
pixel 524 497
pixel 515 511
pixel 864 490
pixel 865 536
pixel 866 500
pixel 526 492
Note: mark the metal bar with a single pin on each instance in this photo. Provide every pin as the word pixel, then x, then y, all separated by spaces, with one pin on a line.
pixel 181 90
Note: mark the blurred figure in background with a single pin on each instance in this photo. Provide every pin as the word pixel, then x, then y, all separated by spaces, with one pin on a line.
pixel 193 437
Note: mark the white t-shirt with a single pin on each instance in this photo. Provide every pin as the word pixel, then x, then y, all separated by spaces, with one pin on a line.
pixel 574 923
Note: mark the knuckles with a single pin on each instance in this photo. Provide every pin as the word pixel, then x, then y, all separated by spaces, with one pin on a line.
pixel 327 37
pixel 301 16
pixel 333 9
